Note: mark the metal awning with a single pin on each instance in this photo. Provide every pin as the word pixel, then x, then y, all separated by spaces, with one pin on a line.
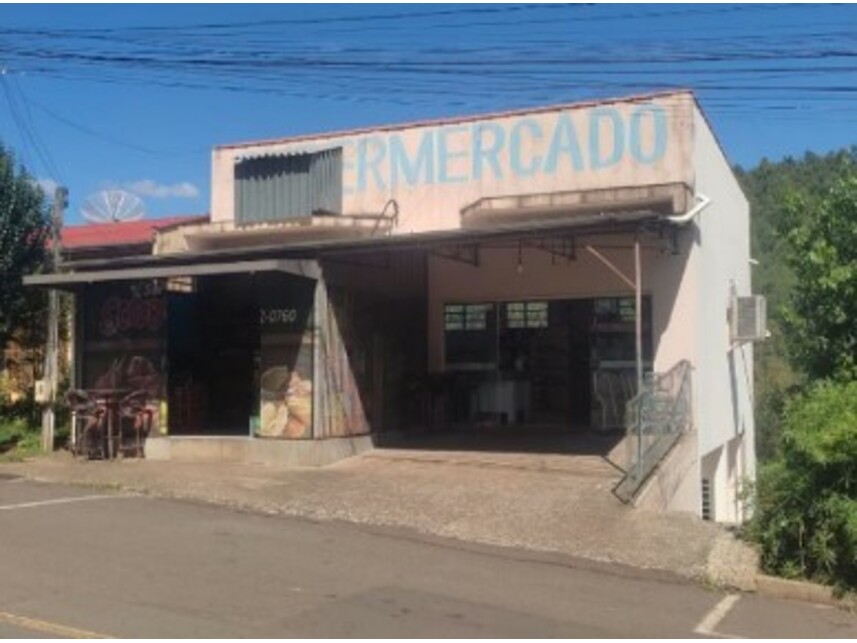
pixel 287 153
pixel 301 268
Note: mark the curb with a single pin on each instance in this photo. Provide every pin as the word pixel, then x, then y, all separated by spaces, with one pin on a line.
pixel 800 590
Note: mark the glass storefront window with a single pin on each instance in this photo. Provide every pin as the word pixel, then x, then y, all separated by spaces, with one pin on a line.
pixel 470 334
pixel 466 316
pixel 527 314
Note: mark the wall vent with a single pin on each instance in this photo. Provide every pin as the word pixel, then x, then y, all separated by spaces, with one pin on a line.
pixel 748 319
pixel 706 499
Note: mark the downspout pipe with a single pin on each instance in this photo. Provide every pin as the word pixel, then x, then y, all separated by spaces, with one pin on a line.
pixel 702 202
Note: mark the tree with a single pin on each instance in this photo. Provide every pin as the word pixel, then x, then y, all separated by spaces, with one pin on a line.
pixel 771 187
pixel 24 226
pixel 820 318
pixel 805 234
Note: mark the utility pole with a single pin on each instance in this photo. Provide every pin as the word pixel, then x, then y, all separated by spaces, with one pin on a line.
pixel 51 371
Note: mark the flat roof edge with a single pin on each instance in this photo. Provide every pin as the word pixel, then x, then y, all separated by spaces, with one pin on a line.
pixel 452 120
pixel 298 267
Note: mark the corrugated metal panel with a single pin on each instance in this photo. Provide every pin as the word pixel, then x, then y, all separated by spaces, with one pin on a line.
pixel 274 188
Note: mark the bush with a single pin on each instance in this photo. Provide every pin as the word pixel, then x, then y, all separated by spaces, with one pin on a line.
pixel 17 434
pixel 26 412
pixel 806 499
pixel 20 431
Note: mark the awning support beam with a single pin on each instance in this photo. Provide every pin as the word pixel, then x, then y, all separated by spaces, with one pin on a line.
pixel 636 284
pixel 631 283
pixel 557 248
pixel 464 253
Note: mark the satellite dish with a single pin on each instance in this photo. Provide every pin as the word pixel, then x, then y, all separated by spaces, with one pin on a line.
pixel 110 206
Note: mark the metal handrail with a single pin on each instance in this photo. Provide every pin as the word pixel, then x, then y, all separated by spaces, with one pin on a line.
pixel 655 419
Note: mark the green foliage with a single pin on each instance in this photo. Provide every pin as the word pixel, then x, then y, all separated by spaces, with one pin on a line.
pixel 19 438
pixel 11 431
pixel 25 409
pixel 23 230
pixel 20 427
pixel 806 499
pixel 771 188
pixel 820 319
pixel 805 237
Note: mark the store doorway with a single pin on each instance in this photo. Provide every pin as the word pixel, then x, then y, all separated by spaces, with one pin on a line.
pixel 240 355
pixel 541 363
pixel 213 354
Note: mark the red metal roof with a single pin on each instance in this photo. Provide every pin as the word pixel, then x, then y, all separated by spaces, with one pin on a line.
pixel 126 233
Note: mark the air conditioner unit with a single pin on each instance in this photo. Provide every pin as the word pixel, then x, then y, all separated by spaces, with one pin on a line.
pixel 748 320
pixel 42 392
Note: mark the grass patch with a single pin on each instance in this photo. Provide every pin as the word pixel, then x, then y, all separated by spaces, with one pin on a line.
pixel 18 440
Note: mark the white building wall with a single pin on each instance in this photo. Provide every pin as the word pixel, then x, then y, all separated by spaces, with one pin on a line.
pixel 723 377
pixel 714 255
pixel 676 318
pixel 674 486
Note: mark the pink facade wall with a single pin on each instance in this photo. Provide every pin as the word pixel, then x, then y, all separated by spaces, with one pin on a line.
pixel 434 170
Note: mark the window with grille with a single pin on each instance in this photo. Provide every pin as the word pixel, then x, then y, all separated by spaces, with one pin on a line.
pixel 470 333
pixel 527 314
pixel 466 316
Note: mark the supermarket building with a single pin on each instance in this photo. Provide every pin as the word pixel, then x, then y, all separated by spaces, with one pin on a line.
pixel 581 269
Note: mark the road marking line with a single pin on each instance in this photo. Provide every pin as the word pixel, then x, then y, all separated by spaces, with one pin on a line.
pixel 46 627
pixel 713 618
pixel 57 501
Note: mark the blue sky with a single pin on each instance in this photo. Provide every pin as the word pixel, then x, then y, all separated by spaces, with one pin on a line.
pixel 135 96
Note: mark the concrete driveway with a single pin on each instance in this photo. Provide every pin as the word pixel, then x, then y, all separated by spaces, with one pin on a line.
pixel 541 502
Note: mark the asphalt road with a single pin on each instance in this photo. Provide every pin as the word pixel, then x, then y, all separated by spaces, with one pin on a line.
pixel 88 563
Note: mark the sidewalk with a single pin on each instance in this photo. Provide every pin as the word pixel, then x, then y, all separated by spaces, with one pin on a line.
pixel 539 505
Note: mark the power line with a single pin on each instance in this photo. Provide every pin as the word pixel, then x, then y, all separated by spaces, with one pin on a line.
pixel 511 10
pixel 26 127
pixel 226 57
pixel 109 138
pixel 413 15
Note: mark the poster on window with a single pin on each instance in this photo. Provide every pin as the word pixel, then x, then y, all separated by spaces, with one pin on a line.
pixel 347 362
pixel 124 339
pixel 286 356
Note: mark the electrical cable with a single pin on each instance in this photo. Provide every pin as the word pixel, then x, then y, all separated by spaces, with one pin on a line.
pixel 27 131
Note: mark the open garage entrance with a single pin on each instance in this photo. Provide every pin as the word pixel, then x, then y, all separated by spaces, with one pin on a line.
pixel 535 344
pixel 512 365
